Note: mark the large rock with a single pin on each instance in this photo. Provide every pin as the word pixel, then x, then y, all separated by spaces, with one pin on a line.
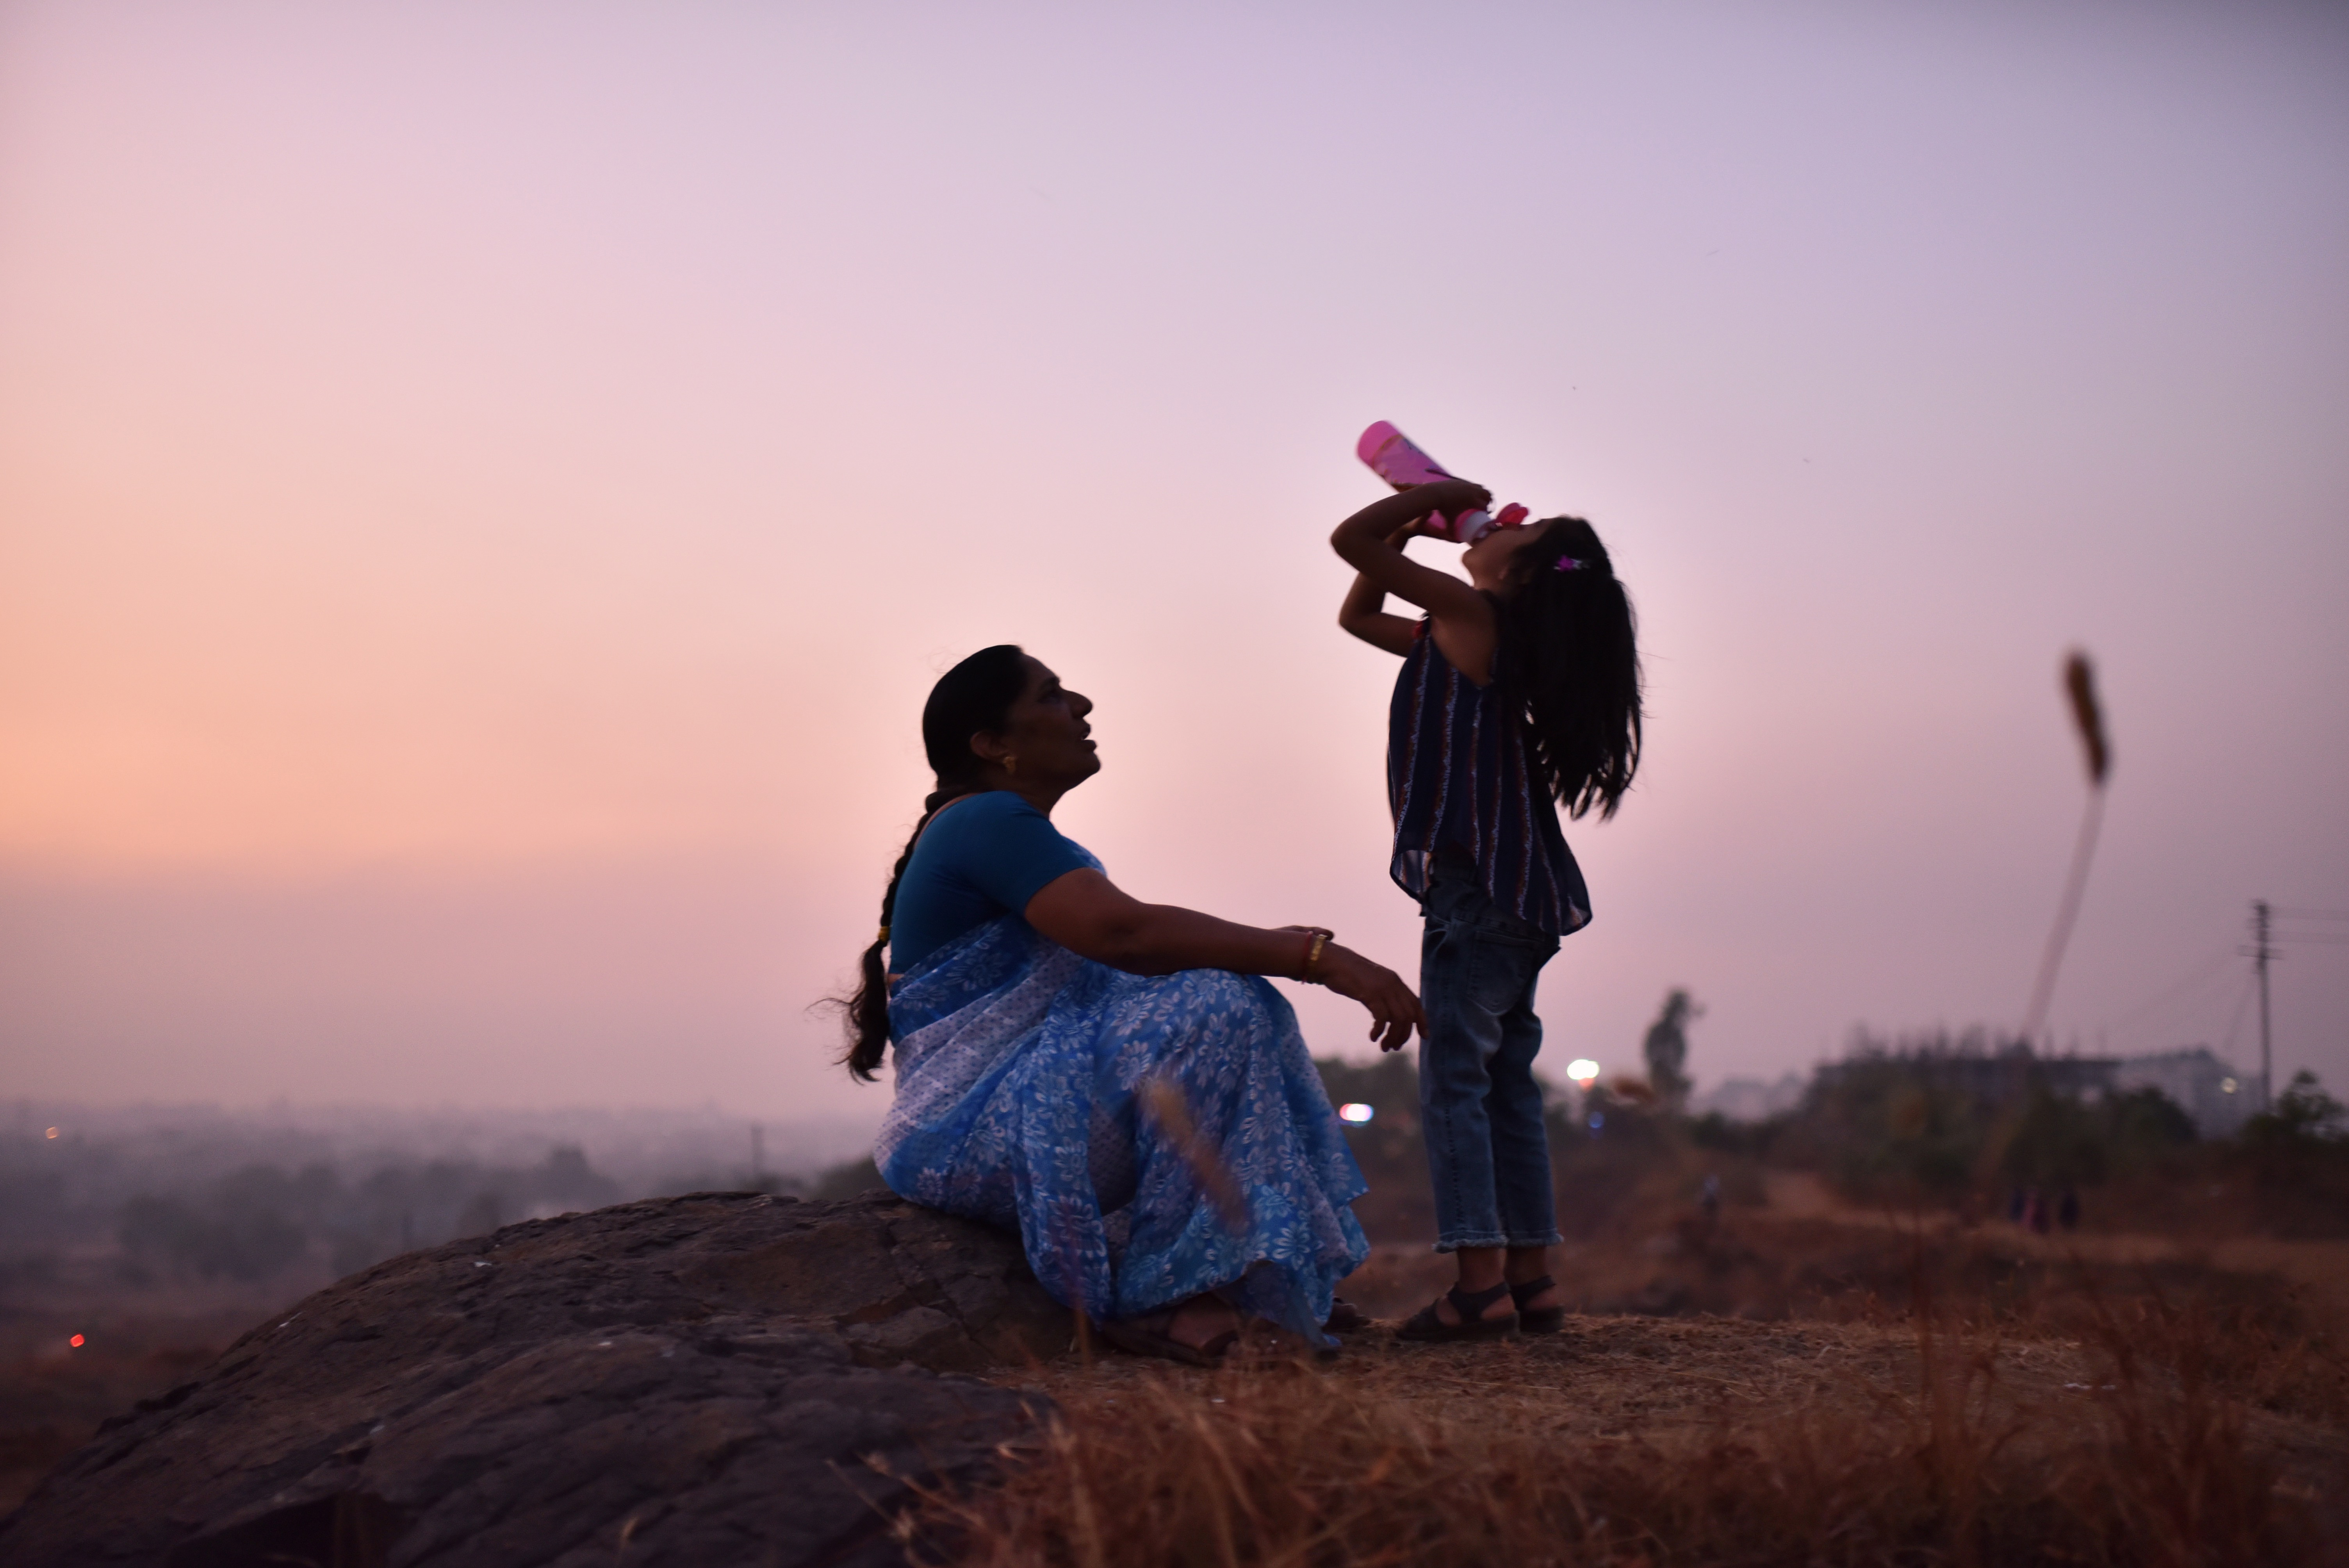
pixel 716 1380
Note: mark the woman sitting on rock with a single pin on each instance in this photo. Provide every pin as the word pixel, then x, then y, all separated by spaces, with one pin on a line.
pixel 1112 1077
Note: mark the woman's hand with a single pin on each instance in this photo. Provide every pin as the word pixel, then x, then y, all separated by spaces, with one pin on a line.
pixel 1394 1008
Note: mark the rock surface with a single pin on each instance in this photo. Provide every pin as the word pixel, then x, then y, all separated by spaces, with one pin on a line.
pixel 714 1380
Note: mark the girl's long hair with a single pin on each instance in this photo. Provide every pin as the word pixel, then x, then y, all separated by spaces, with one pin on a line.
pixel 1569 650
pixel 976 695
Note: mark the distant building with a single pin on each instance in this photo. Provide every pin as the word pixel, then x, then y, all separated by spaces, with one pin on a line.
pixel 2219 1098
pixel 2000 1075
pixel 2212 1093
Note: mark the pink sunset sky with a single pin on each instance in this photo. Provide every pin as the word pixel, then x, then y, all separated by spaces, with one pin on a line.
pixel 484 489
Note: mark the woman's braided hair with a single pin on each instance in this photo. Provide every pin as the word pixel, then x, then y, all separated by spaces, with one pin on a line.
pixel 976 695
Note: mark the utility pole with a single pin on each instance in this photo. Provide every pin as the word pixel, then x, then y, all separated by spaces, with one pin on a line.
pixel 2261 952
pixel 758 1181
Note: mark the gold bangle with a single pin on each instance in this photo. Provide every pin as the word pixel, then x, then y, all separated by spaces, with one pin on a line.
pixel 1313 953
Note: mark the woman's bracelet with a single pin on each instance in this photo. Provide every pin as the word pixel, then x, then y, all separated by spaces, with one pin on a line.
pixel 1313 951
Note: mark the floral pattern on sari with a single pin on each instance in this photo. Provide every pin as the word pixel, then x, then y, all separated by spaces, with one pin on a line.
pixel 1019 1102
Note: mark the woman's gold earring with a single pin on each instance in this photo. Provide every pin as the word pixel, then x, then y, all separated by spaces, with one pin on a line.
pixel 1011 766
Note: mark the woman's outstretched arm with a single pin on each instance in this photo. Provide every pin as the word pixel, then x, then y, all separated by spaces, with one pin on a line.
pixel 1087 913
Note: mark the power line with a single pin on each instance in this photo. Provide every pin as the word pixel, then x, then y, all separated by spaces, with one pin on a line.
pixel 2310 914
pixel 2203 976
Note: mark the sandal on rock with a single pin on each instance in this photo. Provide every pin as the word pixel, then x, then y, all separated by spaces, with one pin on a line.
pixel 1537 1319
pixel 1429 1329
pixel 1148 1335
pixel 1345 1318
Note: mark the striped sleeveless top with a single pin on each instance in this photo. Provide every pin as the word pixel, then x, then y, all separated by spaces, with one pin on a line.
pixel 1458 777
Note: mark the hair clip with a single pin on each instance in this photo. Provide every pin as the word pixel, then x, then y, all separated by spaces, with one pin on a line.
pixel 1569 564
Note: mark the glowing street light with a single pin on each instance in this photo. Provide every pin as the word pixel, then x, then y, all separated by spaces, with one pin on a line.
pixel 1582 1070
pixel 1355 1111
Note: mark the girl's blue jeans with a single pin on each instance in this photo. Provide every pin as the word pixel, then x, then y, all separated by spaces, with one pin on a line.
pixel 1480 1109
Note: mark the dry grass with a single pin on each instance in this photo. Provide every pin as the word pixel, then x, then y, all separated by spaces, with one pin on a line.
pixel 1889 1391
pixel 1632 1441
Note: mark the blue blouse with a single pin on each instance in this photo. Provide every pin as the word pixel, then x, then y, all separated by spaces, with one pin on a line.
pixel 983 856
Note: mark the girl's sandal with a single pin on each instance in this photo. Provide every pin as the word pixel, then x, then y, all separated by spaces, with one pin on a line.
pixel 1148 1335
pixel 1345 1318
pixel 1427 1328
pixel 1537 1319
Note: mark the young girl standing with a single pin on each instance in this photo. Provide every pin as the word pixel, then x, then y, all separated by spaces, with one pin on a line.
pixel 1520 691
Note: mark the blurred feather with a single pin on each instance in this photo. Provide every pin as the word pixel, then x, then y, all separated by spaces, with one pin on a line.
pixel 2088 717
pixel 1163 1100
pixel 2080 686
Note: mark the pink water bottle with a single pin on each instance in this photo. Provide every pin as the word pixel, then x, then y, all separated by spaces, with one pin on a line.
pixel 1391 457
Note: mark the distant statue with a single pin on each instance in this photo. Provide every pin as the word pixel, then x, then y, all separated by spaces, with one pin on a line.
pixel 1666 1049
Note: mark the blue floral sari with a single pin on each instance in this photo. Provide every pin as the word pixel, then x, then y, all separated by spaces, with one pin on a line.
pixel 1033 1092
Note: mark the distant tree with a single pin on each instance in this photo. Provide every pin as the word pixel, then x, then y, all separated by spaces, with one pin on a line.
pixel 567 1179
pixel 2061 1141
pixel 481 1216
pixel 244 1244
pixel 161 1231
pixel 848 1178
pixel 1666 1049
pixel 2303 1113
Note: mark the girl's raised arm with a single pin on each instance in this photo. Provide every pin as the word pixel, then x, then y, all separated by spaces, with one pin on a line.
pixel 1371 542
pixel 1363 613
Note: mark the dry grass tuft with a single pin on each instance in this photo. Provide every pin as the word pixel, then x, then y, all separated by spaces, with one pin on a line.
pixel 1642 1442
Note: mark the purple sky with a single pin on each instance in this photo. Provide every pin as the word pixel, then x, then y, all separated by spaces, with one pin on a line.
pixel 483 491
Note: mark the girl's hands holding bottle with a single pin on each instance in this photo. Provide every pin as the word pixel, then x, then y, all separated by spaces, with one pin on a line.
pixel 1451 497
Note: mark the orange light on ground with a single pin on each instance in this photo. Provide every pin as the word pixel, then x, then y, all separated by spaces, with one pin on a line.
pixel 75 1342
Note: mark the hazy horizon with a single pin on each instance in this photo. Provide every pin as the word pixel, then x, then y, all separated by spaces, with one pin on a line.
pixel 483 494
